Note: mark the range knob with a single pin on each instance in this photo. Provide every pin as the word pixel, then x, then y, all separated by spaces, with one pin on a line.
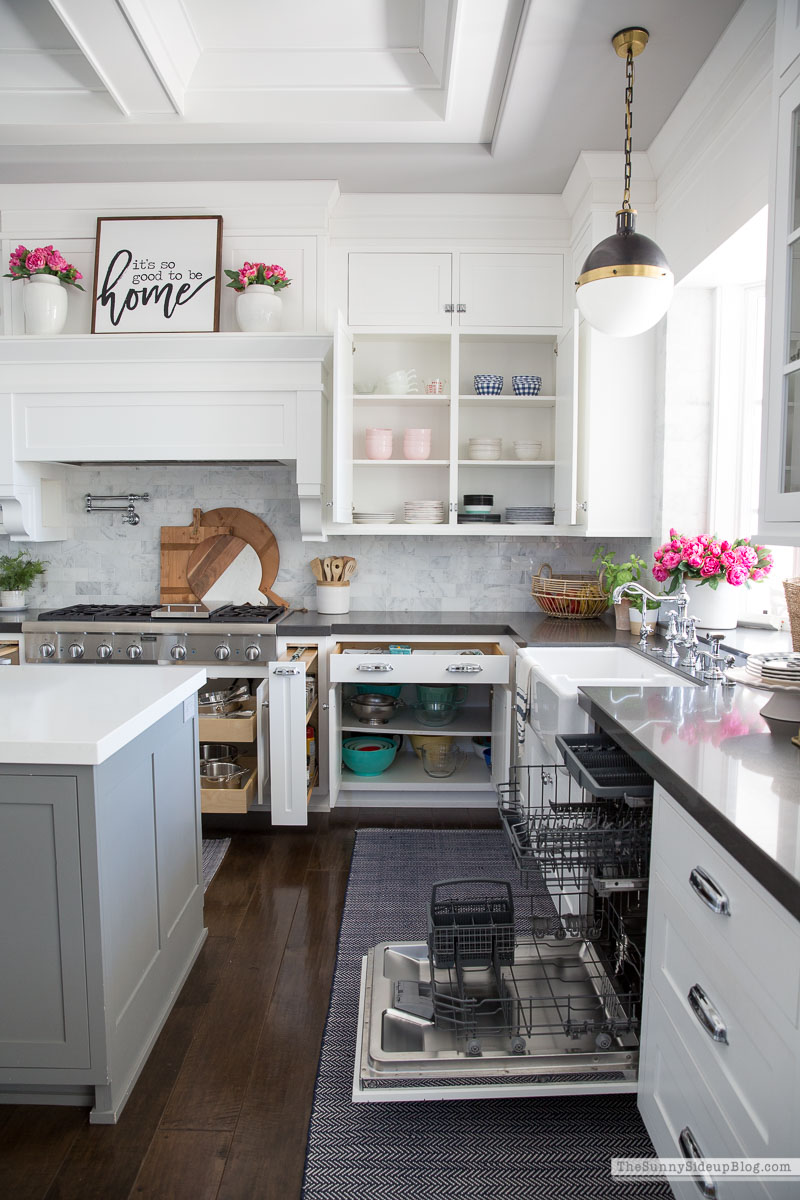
pixel 75 650
pixel 104 650
pixel 134 651
pixel 177 653
pixel 47 649
pixel 252 652
pixel 222 652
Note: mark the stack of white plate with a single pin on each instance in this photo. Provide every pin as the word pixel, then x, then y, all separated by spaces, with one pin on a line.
pixel 485 448
pixel 530 515
pixel 373 518
pixel 779 669
pixel 424 512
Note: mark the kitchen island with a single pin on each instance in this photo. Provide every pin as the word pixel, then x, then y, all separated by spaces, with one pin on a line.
pixel 101 897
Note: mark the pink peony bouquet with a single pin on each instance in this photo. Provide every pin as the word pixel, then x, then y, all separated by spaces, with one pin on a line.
pixel 44 260
pixel 273 276
pixel 707 559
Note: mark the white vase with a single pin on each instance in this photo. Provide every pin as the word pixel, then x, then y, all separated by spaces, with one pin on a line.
pixel 12 599
pixel 713 609
pixel 258 309
pixel 45 304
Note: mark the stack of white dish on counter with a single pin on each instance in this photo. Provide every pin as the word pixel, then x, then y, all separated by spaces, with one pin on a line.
pixel 778 669
pixel 530 515
pixel 486 449
pixel 373 518
pixel 424 512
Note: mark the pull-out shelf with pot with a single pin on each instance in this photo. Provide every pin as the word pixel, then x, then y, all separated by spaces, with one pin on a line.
pixel 478 671
pixel 270 729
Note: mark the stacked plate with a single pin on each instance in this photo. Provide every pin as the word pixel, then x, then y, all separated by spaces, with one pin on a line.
pixel 530 515
pixel 424 512
pixel 485 449
pixel 373 518
pixel 780 669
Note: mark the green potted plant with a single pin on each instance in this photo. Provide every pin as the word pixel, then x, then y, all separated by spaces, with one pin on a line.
pixel 17 573
pixel 612 575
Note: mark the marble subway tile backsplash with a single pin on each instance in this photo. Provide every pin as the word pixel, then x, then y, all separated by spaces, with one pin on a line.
pixel 106 560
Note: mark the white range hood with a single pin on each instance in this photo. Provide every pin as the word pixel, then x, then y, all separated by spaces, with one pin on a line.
pixel 223 397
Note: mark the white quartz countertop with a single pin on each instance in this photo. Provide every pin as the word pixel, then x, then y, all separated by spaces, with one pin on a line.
pixel 84 714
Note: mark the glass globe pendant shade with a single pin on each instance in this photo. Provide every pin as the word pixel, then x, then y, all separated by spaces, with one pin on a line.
pixel 625 285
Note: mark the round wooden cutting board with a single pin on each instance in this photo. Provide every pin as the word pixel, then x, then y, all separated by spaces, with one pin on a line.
pixel 213 556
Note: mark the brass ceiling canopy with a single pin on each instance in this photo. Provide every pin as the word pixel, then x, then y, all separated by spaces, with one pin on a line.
pixel 634 40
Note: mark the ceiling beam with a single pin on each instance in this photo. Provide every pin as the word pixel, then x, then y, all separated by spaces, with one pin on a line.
pixel 104 34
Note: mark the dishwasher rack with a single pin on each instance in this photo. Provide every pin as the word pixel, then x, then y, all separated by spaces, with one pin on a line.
pixel 485 989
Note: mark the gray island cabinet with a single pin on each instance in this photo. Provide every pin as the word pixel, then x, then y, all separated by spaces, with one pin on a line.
pixel 101 894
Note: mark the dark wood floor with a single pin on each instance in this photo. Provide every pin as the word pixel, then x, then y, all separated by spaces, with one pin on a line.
pixel 221 1110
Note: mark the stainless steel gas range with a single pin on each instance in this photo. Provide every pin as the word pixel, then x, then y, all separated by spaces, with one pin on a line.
pixel 229 636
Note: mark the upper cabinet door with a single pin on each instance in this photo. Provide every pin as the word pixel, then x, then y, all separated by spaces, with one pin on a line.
pixel 787 34
pixel 511 291
pixel 779 517
pixel 566 428
pixel 400 290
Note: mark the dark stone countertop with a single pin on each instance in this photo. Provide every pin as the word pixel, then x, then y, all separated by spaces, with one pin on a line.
pixel 527 628
pixel 735 773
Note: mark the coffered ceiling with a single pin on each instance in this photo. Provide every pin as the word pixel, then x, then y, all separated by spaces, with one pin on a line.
pixel 383 95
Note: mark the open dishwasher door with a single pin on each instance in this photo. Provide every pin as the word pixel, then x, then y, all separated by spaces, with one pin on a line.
pixel 528 992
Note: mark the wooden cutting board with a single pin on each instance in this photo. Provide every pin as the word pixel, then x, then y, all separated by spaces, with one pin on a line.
pixel 178 543
pixel 209 560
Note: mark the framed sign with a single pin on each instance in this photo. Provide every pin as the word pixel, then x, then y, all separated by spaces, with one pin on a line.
pixel 157 275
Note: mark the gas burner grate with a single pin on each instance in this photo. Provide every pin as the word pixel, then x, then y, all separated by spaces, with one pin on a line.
pixel 99 612
pixel 246 613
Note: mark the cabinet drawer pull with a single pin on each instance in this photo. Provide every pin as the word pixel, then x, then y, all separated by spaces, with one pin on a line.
pixel 690 1149
pixel 707 1014
pixel 709 892
pixel 464 668
pixel 448 308
pixel 461 308
pixel 374 667
pixel 288 671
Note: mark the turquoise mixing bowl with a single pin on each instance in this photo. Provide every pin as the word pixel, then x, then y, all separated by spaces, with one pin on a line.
pixel 368 755
pixel 379 689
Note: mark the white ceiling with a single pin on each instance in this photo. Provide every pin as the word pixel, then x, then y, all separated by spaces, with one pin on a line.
pixel 382 95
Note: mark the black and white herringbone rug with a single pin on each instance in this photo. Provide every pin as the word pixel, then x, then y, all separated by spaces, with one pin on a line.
pixel 543 1148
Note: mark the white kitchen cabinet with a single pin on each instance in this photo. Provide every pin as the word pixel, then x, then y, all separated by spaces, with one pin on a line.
pixel 722 988
pixel 501 290
pixel 485 712
pixel 512 290
pixel 361 401
pixel 779 506
pixel 400 289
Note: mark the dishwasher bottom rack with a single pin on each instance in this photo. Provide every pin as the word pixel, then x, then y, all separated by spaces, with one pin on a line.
pixel 582 991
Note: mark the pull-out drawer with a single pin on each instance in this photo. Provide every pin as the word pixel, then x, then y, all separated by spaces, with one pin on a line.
pixel 434 662
pixel 230 728
pixel 741 921
pixel 752 1069
pixel 231 800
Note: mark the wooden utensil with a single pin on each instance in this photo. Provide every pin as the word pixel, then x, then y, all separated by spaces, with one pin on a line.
pixel 178 544
pixel 326 570
pixel 350 568
pixel 316 569
pixel 250 529
pixel 337 569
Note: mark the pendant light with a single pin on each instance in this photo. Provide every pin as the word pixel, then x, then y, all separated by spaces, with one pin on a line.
pixel 625 285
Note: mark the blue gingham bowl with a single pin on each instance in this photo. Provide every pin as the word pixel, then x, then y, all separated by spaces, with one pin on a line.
pixel 526 385
pixel 488 385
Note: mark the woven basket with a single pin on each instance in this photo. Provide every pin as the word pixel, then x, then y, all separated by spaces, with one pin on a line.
pixel 568 597
pixel 791 589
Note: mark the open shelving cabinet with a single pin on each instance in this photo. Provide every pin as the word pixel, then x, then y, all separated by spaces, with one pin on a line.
pixel 361 401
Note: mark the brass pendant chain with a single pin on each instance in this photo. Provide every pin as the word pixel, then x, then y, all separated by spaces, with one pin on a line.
pixel 626 195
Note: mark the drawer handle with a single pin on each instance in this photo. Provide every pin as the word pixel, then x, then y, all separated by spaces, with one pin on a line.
pixel 374 667
pixel 690 1149
pixel 288 671
pixel 464 668
pixel 707 1014
pixel 709 892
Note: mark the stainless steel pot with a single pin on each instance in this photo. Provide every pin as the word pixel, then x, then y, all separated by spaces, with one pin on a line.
pixel 374 709
pixel 223 774
pixel 218 752
pixel 220 699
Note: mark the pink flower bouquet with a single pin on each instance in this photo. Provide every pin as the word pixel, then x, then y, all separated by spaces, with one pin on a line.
pixel 273 276
pixel 44 260
pixel 707 559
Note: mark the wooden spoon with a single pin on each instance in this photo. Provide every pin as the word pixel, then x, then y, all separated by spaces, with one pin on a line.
pixel 337 569
pixel 316 569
